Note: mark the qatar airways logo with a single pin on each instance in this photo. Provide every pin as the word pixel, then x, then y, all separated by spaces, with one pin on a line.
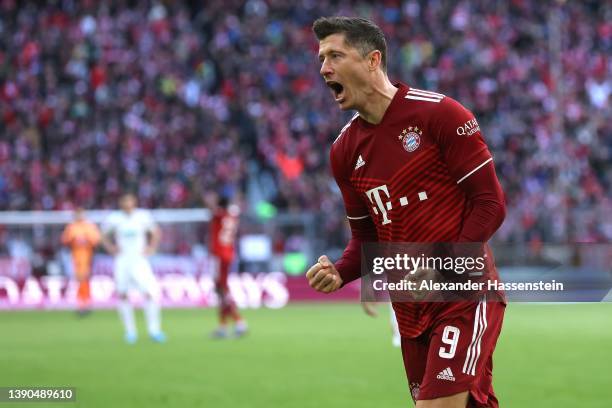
pixel 382 203
pixel 468 128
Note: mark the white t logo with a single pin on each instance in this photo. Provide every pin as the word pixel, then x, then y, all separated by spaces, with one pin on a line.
pixel 374 196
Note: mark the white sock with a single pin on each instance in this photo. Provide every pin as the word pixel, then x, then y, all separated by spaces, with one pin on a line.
pixel 126 313
pixel 397 339
pixel 152 315
pixel 241 325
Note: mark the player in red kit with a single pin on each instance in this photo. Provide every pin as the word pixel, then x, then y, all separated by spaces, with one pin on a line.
pixel 412 166
pixel 223 229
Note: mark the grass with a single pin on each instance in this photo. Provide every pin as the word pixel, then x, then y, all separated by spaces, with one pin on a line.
pixel 300 356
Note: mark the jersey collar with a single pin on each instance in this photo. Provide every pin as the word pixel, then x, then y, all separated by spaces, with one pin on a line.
pixel 393 106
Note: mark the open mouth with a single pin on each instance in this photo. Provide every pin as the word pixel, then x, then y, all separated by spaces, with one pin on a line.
pixel 337 89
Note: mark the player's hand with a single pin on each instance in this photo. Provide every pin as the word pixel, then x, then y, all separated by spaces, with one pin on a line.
pixel 369 309
pixel 420 275
pixel 112 250
pixel 323 276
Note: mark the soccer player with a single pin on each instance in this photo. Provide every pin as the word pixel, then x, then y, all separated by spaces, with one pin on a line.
pixel 370 310
pixel 412 166
pixel 222 237
pixel 82 237
pixel 131 235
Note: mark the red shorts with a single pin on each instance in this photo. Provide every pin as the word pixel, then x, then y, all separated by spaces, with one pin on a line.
pixel 456 355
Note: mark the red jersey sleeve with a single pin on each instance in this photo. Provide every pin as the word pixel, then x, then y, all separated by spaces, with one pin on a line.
pixel 471 165
pixel 215 226
pixel 488 210
pixel 354 205
pixel 363 228
pixel 459 138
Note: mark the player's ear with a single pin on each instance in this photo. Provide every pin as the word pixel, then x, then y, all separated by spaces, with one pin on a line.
pixel 374 59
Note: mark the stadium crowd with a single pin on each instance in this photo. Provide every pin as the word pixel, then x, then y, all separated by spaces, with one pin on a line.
pixel 174 99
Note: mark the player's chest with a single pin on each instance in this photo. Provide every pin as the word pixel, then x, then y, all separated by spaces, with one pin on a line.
pixel 396 153
pixel 130 228
pixel 398 170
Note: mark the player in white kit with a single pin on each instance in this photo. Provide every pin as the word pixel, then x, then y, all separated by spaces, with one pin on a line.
pixel 131 235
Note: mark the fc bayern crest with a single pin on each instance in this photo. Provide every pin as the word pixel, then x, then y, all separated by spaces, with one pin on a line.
pixel 411 138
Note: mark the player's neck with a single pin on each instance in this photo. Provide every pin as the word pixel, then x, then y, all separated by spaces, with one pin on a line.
pixel 378 100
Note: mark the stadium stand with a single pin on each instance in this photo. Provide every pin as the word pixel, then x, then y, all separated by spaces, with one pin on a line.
pixel 177 98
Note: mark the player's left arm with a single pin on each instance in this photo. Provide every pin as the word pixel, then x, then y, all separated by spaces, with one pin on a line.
pixel 107 237
pixel 369 308
pixel 154 237
pixel 488 205
pixel 94 235
pixel 471 166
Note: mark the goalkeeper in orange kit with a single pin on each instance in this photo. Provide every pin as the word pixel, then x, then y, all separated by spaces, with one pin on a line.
pixel 81 236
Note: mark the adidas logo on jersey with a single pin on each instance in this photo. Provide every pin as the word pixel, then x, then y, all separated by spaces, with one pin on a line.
pixel 360 162
pixel 446 374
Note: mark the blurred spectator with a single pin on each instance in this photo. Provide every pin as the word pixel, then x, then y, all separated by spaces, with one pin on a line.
pixel 176 99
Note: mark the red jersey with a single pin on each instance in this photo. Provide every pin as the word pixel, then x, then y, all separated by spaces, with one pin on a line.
pixel 223 230
pixel 404 173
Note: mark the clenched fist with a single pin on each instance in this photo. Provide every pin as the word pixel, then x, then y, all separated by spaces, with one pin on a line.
pixel 323 276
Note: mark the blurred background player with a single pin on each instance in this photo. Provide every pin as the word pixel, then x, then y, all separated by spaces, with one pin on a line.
pixel 82 237
pixel 370 309
pixel 223 230
pixel 131 235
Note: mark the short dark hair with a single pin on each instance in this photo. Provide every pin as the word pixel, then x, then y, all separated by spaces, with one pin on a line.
pixel 358 32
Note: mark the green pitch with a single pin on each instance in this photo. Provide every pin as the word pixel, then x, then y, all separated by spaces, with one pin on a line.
pixel 301 356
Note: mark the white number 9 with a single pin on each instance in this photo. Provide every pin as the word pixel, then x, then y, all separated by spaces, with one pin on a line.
pixel 450 337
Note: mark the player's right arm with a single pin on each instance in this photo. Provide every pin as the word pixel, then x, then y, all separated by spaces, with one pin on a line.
pixel 325 276
pixel 67 235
